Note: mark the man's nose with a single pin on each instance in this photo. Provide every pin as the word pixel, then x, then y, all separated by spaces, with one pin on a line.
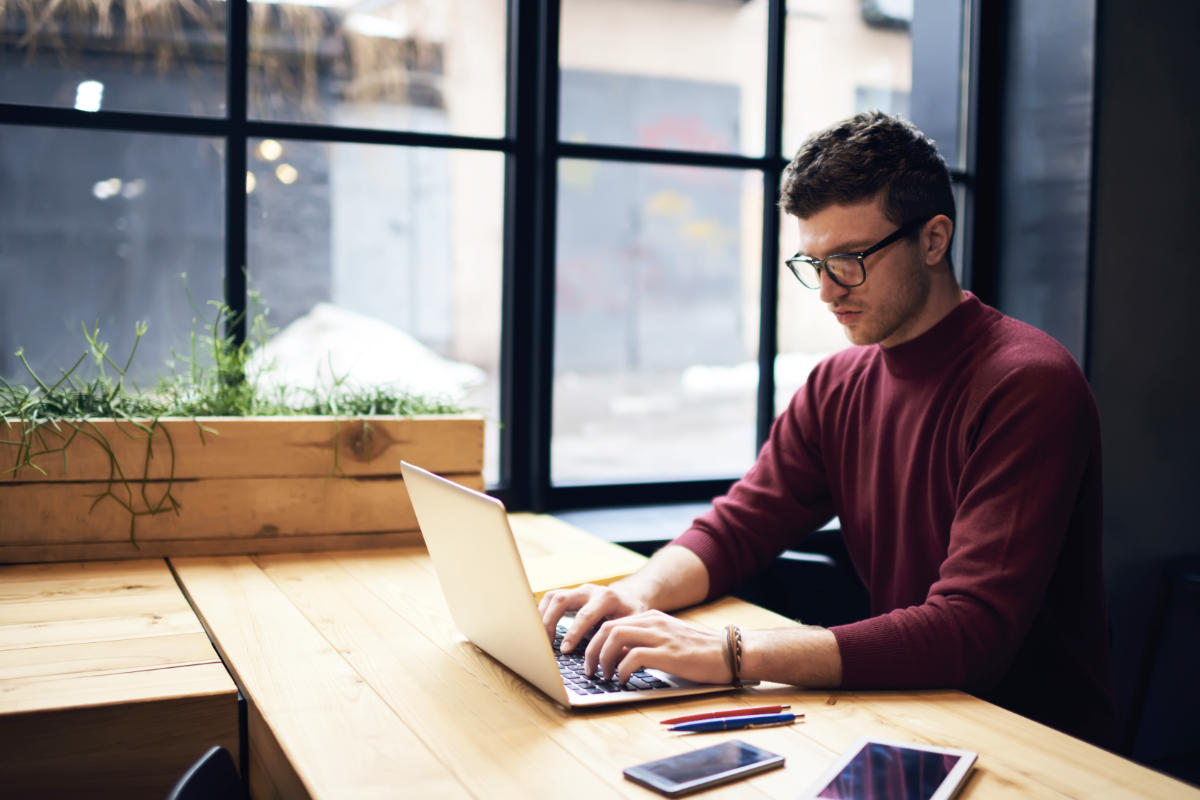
pixel 831 289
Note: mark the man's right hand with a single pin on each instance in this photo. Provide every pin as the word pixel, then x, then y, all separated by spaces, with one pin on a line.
pixel 592 605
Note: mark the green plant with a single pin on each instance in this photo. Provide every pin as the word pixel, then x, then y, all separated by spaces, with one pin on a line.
pixel 217 377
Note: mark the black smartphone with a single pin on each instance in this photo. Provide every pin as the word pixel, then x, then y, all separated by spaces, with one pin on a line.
pixel 700 769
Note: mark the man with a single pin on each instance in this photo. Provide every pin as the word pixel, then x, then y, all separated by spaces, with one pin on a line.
pixel 959 448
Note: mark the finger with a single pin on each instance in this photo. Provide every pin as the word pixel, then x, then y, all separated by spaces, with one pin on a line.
pixel 635 658
pixel 555 605
pixel 588 616
pixel 620 640
pixel 591 656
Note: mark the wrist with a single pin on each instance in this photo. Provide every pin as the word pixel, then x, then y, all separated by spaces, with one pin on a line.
pixel 808 656
pixel 733 654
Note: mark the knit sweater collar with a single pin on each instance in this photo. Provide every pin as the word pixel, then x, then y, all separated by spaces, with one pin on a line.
pixel 937 347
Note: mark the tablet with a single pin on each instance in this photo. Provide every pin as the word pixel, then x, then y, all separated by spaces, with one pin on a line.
pixel 886 770
pixel 699 769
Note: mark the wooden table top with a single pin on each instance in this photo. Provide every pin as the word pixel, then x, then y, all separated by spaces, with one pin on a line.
pixel 360 686
pixel 97 633
pixel 109 686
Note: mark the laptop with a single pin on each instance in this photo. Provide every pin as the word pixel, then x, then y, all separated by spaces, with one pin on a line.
pixel 480 571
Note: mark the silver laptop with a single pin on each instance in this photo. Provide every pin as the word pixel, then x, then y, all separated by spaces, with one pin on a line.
pixel 478 565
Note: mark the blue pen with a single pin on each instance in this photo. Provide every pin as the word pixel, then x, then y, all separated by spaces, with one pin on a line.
pixel 734 723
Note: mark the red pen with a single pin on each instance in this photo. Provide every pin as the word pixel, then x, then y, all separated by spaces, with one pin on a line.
pixel 729 712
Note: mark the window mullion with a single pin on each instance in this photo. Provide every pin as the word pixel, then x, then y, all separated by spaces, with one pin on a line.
pixel 236 60
pixel 769 291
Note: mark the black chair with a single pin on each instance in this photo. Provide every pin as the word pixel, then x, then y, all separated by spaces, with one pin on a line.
pixel 1164 715
pixel 213 777
pixel 816 585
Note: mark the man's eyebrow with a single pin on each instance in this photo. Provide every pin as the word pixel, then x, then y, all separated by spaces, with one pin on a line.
pixel 849 248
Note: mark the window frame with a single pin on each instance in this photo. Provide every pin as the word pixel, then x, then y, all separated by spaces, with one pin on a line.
pixel 532 152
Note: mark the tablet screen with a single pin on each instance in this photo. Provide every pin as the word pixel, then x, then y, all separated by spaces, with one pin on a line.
pixel 890 772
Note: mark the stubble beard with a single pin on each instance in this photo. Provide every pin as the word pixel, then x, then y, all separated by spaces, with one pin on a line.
pixel 884 319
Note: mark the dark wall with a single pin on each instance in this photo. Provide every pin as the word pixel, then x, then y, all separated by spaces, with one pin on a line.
pixel 1045 182
pixel 1097 198
pixel 1144 319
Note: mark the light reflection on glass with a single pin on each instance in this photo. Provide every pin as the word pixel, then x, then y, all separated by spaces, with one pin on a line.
pixel 88 95
pixel 287 174
pixel 269 150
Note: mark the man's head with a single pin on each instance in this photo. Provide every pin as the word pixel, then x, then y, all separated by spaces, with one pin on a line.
pixel 855 160
pixel 875 215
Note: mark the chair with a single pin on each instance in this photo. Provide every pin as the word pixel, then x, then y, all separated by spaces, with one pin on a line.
pixel 213 777
pixel 816 584
pixel 1164 716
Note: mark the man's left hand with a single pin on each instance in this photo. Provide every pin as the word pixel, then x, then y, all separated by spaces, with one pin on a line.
pixel 654 639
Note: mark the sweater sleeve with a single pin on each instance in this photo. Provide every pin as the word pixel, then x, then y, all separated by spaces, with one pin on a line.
pixel 782 498
pixel 1030 447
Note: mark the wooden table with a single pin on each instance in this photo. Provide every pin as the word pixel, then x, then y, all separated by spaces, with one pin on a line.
pixel 359 686
pixel 109 686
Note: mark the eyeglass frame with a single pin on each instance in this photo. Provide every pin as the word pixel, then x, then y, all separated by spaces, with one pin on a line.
pixel 818 264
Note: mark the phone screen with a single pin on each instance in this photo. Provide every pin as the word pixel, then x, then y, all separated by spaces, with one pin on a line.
pixel 704 767
pixel 891 772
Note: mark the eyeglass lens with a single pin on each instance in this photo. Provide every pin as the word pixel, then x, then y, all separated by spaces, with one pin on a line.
pixel 845 270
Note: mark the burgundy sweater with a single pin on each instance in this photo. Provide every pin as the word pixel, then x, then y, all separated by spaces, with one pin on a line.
pixel 964 466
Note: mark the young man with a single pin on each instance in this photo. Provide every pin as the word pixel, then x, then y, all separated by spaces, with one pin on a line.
pixel 959 448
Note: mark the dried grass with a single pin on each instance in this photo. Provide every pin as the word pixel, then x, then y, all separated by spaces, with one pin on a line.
pixel 292 46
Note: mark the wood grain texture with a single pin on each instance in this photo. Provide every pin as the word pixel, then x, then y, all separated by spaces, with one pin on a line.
pixel 114 750
pixel 206 547
pixel 62 521
pixel 324 719
pixel 108 684
pixel 247 447
pixel 263 483
pixel 307 628
pixel 551 552
pixel 452 711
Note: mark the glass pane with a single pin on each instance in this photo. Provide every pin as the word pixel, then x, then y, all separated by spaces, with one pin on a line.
pixel 95 230
pixel 435 66
pixel 381 264
pixel 807 332
pixel 93 55
pixel 664 74
pixel 842 57
pixel 900 56
pixel 656 330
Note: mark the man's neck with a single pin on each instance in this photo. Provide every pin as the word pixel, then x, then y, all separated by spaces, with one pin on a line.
pixel 945 295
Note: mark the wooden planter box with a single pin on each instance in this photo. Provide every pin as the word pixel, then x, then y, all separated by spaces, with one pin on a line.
pixel 242 485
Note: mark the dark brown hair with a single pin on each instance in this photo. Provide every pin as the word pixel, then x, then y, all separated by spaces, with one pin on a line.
pixel 858 158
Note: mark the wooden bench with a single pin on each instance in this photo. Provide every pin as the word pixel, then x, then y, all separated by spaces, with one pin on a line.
pixel 109 686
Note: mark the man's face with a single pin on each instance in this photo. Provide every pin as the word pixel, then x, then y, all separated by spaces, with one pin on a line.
pixel 887 308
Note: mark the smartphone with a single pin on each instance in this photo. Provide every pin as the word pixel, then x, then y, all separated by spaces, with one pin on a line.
pixel 887 770
pixel 700 769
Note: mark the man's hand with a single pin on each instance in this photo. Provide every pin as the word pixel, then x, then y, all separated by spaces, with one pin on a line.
pixel 674 577
pixel 654 639
pixel 592 604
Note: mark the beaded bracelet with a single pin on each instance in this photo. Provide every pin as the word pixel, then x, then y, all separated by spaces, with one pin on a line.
pixel 733 652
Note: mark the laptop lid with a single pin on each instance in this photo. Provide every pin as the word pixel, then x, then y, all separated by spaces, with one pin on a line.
pixel 483 580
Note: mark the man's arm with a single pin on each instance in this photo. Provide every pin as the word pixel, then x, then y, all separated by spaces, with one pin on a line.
pixel 807 656
pixel 637 633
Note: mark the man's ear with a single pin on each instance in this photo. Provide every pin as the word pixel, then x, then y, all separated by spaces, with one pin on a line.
pixel 935 239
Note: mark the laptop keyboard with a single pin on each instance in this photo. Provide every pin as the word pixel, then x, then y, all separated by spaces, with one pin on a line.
pixel 570 666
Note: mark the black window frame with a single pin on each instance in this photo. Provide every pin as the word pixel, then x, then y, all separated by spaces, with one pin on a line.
pixel 532 152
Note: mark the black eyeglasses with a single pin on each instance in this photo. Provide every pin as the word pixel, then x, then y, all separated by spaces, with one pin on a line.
pixel 846 269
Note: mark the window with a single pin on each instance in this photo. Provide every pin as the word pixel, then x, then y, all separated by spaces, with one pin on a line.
pixel 561 212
